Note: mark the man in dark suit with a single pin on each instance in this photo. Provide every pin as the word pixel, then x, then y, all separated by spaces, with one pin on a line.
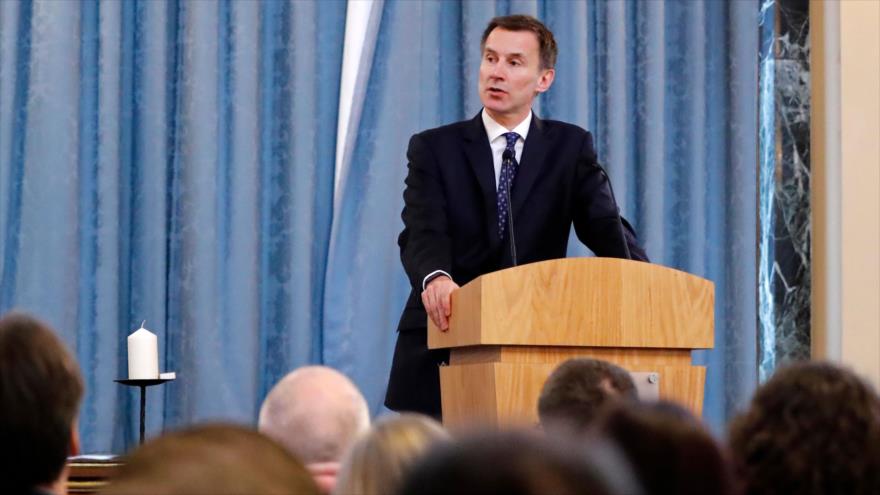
pixel 501 189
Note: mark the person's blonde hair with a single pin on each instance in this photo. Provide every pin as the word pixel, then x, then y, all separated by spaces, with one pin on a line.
pixel 378 461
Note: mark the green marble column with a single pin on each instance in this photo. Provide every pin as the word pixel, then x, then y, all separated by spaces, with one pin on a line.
pixel 784 185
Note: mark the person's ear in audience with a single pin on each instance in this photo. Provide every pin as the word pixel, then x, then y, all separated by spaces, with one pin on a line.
pixel 74 440
pixel 40 392
pixel 214 459
pixel 813 428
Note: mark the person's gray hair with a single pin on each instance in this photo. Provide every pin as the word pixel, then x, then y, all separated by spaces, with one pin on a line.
pixel 316 413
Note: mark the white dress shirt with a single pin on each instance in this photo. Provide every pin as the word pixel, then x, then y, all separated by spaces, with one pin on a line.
pixel 498 143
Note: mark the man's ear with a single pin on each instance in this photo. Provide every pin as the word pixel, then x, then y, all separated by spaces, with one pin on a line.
pixel 74 439
pixel 545 80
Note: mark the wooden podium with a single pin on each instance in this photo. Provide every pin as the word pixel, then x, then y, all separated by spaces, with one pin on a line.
pixel 510 329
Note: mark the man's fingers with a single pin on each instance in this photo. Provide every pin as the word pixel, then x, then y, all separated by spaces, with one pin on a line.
pixel 437 299
pixel 446 302
pixel 443 309
pixel 431 307
pixel 444 322
pixel 426 302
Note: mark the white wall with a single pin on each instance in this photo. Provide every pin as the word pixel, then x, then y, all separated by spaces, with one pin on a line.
pixel 846 183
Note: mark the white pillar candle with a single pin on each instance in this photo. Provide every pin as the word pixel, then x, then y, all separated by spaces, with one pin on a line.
pixel 143 355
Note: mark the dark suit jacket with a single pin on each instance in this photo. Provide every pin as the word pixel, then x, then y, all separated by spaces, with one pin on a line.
pixel 450 224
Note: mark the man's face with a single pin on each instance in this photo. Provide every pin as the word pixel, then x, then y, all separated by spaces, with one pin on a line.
pixel 511 74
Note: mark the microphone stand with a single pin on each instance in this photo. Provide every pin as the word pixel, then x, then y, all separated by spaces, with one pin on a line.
pixel 507 155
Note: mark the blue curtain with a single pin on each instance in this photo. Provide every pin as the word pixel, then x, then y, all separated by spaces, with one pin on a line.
pixel 669 90
pixel 173 162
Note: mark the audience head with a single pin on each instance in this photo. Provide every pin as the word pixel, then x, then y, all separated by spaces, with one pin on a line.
pixel 212 458
pixel 813 428
pixel 518 463
pixel 668 448
pixel 40 393
pixel 378 461
pixel 575 392
pixel 317 414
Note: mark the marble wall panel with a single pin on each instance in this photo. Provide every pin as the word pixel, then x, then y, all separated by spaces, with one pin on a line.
pixel 784 188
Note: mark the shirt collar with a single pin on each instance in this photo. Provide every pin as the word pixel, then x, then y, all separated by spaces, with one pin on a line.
pixel 495 130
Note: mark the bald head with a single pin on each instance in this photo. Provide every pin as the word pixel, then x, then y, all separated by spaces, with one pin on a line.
pixel 316 413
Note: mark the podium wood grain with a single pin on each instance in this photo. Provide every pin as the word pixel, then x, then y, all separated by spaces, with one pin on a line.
pixel 501 389
pixel 582 302
pixel 510 329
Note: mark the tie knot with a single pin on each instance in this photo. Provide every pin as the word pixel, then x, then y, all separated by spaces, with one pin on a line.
pixel 512 137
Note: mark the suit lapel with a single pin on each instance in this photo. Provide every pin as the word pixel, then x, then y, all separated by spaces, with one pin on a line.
pixel 531 163
pixel 479 155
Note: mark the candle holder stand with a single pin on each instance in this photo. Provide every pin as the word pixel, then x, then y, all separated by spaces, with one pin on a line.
pixel 143 384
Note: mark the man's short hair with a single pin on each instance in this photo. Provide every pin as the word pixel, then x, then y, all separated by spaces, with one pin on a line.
pixel 576 391
pixel 212 458
pixel 813 428
pixel 40 392
pixel 546 41
pixel 316 413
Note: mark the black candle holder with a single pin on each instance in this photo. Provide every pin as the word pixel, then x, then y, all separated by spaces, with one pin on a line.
pixel 143 384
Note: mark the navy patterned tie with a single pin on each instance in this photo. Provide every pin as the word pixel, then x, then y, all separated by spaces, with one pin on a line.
pixel 505 180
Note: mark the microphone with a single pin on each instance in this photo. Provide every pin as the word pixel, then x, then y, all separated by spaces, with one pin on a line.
pixel 508 155
pixel 616 210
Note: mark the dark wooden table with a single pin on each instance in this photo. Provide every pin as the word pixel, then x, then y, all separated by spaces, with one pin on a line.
pixel 90 475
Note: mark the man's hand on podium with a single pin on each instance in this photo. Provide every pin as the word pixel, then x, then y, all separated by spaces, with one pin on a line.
pixel 437 300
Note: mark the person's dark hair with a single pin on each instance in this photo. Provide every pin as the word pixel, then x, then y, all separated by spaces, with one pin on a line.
pixel 40 392
pixel 516 463
pixel 813 428
pixel 546 41
pixel 668 448
pixel 212 458
pixel 576 391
